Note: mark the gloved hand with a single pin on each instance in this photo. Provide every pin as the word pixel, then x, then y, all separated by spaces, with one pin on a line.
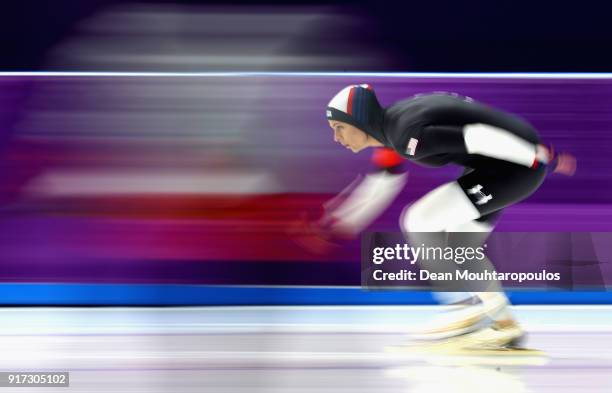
pixel 562 163
pixel 313 236
pixel 565 164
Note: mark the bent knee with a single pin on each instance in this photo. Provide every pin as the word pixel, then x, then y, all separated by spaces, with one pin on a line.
pixel 417 218
pixel 442 208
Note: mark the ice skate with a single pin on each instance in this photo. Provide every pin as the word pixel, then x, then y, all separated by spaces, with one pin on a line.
pixel 460 320
pixel 465 317
pixel 499 343
pixel 497 335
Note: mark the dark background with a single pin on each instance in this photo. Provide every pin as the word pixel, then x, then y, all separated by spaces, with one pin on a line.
pixel 422 36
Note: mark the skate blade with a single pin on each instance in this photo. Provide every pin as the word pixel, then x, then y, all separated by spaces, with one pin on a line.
pixel 441 336
pixel 496 357
pixel 445 355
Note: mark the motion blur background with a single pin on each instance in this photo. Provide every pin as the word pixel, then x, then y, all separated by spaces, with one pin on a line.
pixel 151 189
pixel 183 190
pixel 305 35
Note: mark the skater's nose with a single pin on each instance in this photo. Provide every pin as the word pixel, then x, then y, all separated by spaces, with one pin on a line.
pixel 337 136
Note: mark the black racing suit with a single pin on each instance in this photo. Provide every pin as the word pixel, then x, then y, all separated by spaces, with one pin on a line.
pixel 429 130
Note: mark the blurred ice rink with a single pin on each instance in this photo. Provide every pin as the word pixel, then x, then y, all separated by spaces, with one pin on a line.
pixel 290 349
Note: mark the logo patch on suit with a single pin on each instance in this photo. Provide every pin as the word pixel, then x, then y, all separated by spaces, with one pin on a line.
pixel 481 197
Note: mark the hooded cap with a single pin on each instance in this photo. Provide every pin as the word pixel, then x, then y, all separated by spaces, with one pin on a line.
pixel 357 105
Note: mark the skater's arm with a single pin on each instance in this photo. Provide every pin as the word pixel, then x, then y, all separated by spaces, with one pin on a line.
pixel 369 199
pixel 356 207
pixel 351 213
pixel 484 140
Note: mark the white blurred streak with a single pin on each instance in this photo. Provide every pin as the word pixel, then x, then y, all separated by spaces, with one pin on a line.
pixel 428 379
pixel 179 37
pixel 98 183
pixel 209 132
pixel 141 18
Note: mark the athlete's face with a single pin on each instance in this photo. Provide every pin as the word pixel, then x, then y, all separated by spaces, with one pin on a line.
pixel 349 136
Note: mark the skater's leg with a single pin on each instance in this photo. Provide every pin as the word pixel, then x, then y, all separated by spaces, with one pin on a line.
pixel 493 299
pixel 457 207
pixel 425 222
pixel 483 225
pixel 445 206
pixel 503 328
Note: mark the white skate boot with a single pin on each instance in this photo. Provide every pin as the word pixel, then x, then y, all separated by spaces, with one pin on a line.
pixel 465 318
pixel 499 334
